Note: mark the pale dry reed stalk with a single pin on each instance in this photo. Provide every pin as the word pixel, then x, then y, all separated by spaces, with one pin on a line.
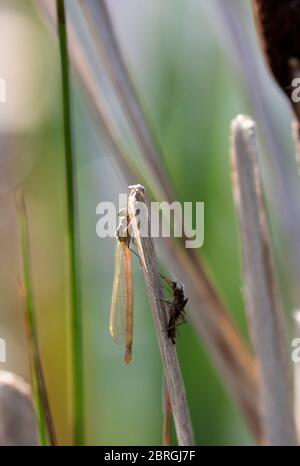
pixel 173 377
pixel 265 314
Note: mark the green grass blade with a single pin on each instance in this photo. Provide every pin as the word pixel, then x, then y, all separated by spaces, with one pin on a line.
pixel 76 319
pixel 45 422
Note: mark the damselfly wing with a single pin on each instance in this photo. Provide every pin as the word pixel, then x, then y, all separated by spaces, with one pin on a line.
pixel 121 313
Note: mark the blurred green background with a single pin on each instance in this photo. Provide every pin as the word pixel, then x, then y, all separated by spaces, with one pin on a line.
pixel 186 79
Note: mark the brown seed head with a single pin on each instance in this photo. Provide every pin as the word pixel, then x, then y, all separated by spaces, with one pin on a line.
pixel 278 22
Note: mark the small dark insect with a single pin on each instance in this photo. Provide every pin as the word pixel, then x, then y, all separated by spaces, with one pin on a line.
pixel 176 307
pixel 278 23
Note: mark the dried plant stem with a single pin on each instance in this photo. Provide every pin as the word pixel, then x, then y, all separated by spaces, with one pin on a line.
pixel 210 317
pixel 46 425
pixel 76 319
pixel 90 88
pixel 263 301
pixel 167 412
pixel 17 415
pixel 209 314
pixel 101 25
pixel 168 352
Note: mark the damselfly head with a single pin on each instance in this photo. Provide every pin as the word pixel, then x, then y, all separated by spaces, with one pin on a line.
pixel 137 187
pixel 137 192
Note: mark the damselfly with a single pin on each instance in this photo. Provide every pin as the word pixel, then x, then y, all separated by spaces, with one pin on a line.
pixel 121 313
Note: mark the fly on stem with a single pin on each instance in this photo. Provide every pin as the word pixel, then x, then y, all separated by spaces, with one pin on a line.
pixel 121 313
pixel 176 307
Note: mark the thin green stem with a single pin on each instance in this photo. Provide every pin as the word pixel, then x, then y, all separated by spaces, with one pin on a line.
pixel 45 421
pixel 76 320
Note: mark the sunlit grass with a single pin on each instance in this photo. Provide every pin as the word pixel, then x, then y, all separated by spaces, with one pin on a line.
pixel 76 319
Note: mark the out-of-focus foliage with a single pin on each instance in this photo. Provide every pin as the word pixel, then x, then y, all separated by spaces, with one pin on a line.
pixel 185 79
